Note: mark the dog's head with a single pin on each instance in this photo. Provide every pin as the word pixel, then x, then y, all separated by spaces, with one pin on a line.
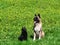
pixel 37 18
pixel 24 29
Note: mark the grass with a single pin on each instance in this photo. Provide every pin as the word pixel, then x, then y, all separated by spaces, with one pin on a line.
pixel 17 13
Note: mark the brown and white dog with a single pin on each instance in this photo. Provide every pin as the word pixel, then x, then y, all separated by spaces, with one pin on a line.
pixel 38 27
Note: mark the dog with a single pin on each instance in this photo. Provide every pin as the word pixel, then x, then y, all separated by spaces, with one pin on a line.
pixel 38 27
pixel 23 35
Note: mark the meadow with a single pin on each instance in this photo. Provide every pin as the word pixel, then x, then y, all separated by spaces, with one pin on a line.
pixel 17 13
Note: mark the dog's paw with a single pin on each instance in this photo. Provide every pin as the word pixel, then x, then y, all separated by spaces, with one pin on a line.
pixel 39 38
pixel 33 39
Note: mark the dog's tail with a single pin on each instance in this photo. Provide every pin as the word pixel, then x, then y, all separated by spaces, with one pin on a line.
pixel 43 34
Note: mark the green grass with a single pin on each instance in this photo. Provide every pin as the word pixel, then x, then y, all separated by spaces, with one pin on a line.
pixel 17 13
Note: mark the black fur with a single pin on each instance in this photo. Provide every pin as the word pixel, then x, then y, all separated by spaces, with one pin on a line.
pixel 23 35
pixel 39 15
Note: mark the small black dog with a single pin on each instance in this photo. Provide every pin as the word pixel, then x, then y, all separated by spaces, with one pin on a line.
pixel 23 35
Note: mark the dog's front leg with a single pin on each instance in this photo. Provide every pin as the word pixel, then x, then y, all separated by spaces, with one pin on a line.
pixel 34 36
pixel 39 35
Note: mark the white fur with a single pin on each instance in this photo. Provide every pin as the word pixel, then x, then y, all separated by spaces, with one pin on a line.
pixel 37 30
pixel 38 27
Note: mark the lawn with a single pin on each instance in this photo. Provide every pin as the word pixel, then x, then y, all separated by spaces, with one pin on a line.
pixel 17 13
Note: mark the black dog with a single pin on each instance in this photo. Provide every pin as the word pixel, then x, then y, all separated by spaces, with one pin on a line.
pixel 23 35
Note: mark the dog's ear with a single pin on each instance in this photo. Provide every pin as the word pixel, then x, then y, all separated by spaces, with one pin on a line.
pixel 35 15
pixel 23 28
pixel 39 15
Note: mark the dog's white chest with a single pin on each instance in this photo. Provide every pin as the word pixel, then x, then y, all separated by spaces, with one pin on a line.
pixel 37 27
